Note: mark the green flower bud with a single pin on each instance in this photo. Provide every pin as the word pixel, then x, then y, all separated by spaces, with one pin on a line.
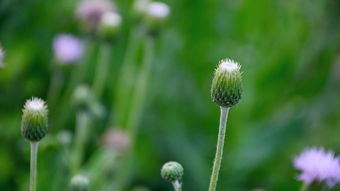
pixel 82 97
pixel 79 183
pixel 172 171
pixel 109 25
pixel 34 120
pixel 226 88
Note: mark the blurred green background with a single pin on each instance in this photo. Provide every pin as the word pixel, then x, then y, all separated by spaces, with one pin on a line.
pixel 290 56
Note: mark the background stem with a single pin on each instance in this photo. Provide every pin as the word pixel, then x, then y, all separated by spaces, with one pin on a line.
pixel 126 79
pixel 219 149
pixel 83 119
pixel 177 185
pixel 34 159
pixel 135 111
pixel 102 70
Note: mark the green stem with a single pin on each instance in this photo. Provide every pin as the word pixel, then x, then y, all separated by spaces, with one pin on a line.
pixel 304 187
pixel 81 132
pixel 55 85
pixel 219 149
pixel 177 185
pixel 126 79
pixel 102 70
pixel 136 111
pixel 77 77
pixel 34 158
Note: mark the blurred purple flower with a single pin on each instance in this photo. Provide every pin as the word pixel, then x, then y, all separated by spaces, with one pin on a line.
pixel 67 48
pixel 91 11
pixel 318 165
pixel 117 139
pixel 2 56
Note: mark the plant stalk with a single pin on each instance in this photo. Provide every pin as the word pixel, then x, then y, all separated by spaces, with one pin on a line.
pixel 126 79
pixel 177 185
pixel 83 120
pixel 136 110
pixel 101 70
pixel 34 159
pixel 219 149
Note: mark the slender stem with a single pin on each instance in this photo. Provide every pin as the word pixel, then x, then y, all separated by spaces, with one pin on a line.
pixel 126 79
pixel 55 86
pixel 81 132
pixel 304 187
pixel 177 185
pixel 34 159
pixel 101 70
pixel 136 110
pixel 140 89
pixel 219 149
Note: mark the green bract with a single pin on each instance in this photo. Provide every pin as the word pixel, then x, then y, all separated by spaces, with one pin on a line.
pixel 34 120
pixel 226 88
pixel 172 171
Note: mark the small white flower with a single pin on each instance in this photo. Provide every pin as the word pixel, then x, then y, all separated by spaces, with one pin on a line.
pixel 158 10
pixel 111 19
pixel 229 65
pixel 35 104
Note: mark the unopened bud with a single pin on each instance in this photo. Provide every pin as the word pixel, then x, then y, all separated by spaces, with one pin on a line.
pixel 226 88
pixel 172 171
pixel 34 120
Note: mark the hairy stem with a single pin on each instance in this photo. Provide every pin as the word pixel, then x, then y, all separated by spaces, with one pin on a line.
pixel 177 185
pixel 219 149
pixel 102 70
pixel 34 159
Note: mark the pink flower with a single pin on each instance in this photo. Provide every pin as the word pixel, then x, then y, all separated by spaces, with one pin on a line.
pixel 67 48
pixel 90 12
pixel 2 56
pixel 318 165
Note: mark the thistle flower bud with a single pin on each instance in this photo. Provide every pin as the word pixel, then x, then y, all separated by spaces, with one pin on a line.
pixel 79 183
pixel 156 14
pixel 172 171
pixel 34 120
pixel 109 25
pixel 226 88
pixel 82 97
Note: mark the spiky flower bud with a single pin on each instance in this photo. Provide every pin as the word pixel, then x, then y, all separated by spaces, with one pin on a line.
pixel 226 88
pixel 156 14
pixel 34 120
pixel 79 183
pixel 109 25
pixel 172 171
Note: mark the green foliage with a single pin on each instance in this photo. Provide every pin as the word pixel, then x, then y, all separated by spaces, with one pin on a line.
pixel 289 52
